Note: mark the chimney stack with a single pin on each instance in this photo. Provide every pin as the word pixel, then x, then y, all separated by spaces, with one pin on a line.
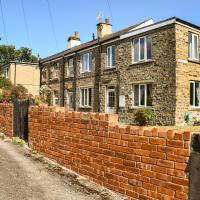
pixel 104 28
pixel 74 40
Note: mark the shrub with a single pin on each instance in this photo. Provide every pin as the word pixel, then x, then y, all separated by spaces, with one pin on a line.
pixel 45 94
pixel 19 92
pixel 5 83
pixel 143 116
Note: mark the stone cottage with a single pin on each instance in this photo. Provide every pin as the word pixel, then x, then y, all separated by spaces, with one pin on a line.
pixel 150 64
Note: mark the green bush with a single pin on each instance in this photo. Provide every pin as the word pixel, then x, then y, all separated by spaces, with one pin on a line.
pixel 143 116
pixel 5 83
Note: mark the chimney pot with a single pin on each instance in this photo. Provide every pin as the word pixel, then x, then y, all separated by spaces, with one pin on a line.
pixel 76 35
pixel 107 21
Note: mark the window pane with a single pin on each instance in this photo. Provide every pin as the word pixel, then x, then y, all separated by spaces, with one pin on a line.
pixel 190 45
pixel 113 56
pixel 136 95
pixel 191 94
pixel 71 67
pixel 90 62
pixel 141 48
pixel 108 56
pixel 136 50
pixel 86 96
pixel 142 95
pixel 149 43
pixel 82 97
pixel 149 95
pixel 111 99
pixel 70 97
pixel 197 94
pixel 90 96
pixel 85 63
pixel 195 47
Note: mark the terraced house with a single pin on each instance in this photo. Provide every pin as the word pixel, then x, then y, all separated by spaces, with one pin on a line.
pixel 154 65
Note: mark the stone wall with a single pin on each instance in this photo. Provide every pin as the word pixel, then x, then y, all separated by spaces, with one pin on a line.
pixel 141 164
pixel 160 72
pixel 186 71
pixel 6 119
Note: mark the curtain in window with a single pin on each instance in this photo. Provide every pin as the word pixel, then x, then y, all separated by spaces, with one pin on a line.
pixel 136 50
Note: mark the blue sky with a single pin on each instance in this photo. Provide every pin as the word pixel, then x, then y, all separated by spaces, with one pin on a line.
pixel 80 15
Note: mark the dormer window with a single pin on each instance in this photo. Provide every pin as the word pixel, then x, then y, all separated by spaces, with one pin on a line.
pixel 142 49
pixel 193 46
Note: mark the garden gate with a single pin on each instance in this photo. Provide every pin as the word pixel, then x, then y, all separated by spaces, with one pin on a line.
pixel 20 118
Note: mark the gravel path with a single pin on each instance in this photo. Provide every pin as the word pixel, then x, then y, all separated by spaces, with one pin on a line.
pixel 22 178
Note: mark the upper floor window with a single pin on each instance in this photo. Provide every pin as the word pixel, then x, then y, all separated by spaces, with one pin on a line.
pixel 142 49
pixel 86 62
pixel 44 74
pixel 142 95
pixel 193 46
pixel 111 56
pixel 195 93
pixel 56 70
pixel 70 70
pixel 5 72
pixel 86 97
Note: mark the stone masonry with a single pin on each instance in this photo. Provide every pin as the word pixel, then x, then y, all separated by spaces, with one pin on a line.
pixel 169 71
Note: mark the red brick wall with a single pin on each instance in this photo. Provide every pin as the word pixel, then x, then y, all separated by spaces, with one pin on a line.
pixel 140 164
pixel 6 119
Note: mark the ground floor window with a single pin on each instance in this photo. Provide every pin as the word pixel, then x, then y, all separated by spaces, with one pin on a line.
pixel 69 99
pixel 142 95
pixel 195 93
pixel 55 98
pixel 86 97
pixel 110 100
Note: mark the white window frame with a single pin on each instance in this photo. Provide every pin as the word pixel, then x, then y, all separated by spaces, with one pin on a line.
pixel 145 49
pixel 6 72
pixel 88 68
pixel 68 94
pixel 70 72
pixel 110 65
pixel 56 70
pixel 86 102
pixel 44 71
pixel 193 105
pixel 192 47
pixel 55 98
pixel 139 96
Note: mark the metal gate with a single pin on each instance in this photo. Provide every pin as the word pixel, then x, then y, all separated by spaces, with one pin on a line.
pixel 20 119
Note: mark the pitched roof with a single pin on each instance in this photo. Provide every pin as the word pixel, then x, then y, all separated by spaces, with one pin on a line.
pixel 127 31
pixel 91 43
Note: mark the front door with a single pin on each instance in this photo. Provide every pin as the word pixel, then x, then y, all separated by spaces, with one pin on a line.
pixel 110 101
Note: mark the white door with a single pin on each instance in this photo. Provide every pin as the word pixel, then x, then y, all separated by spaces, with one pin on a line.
pixel 110 101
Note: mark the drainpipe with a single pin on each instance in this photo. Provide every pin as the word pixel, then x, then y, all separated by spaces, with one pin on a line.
pixel 75 80
pixel 62 83
pixel 40 67
pixel 99 76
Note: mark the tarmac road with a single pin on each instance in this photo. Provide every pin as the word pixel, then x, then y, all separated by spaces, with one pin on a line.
pixel 22 178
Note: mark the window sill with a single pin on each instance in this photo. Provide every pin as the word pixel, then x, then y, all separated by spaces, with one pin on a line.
pixel 142 107
pixel 69 76
pixel 142 62
pixel 193 61
pixel 85 73
pixel 194 108
pixel 87 107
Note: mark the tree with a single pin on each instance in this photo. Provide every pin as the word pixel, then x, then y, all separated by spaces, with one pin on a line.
pixel 10 53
